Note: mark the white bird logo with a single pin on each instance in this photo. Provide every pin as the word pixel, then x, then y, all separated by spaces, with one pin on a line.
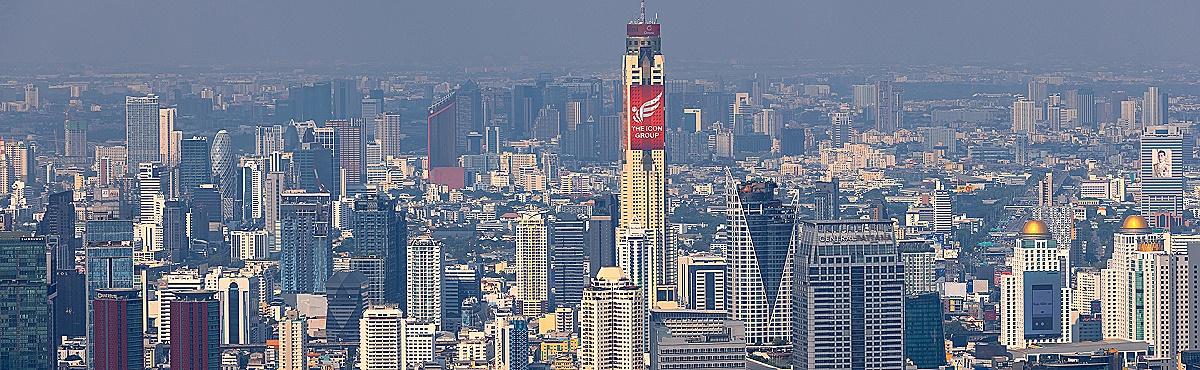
pixel 646 110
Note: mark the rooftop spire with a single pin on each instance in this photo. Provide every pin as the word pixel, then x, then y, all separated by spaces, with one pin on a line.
pixel 642 18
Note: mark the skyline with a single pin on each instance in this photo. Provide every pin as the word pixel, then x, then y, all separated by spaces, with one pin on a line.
pixel 396 34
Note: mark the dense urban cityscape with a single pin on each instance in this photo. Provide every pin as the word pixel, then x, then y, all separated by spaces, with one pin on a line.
pixel 647 215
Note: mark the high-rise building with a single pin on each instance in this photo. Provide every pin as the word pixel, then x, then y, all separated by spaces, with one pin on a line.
pixel 346 294
pixel 109 266
pixel 168 151
pixel 865 96
pixel 115 340
pixel 889 113
pixel 424 280
pixel 381 337
pixel 311 102
pixel 568 272
pixel 459 283
pixel 223 171
pixel 347 99
pixel 1032 294
pixel 293 341
pixel 195 331
pixel 29 342
pixel 827 200
pixel 1129 114
pixel 75 138
pixel 849 296
pixel 267 140
pixel 1154 107
pixel 380 233
pixel 532 263
pixel 58 224
pixel 32 101
pixel 388 132
pixel 238 296
pixel 1036 91
pixel 1141 284
pixel 920 261
pixel 444 126
pixel 924 338
pixel 761 255
pixel 142 135
pixel 703 282
pixel 175 239
pixel 195 165
pixel 612 323
pixel 351 151
pixel 1024 116
pixel 306 258
pixel 1161 175
pixel 1046 190
pixel 601 234
pixel 643 166
pixel 513 343
pixel 1085 110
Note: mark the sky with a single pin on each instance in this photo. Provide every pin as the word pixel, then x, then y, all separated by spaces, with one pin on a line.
pixel 492 32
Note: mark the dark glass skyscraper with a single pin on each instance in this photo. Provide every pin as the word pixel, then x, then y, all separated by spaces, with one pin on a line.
pixel 195 165
pixel 380 232
pixel 924 340
pixel 567 269
pixel 59 223
pixel 346 292
pixel 305 259
pixel 760 256
pixel 24 304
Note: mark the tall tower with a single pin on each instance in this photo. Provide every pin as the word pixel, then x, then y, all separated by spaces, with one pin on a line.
pixel 532 260
pixel 761 255
pixel 1032 294
pixel 1161 174
pixel 643 167
pixel 142 133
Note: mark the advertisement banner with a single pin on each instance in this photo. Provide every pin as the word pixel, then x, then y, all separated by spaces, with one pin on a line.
pixel 1043 304
pixel 647 117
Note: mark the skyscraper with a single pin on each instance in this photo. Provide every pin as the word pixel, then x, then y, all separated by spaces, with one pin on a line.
pixel 1031 295
pixel 568 272
pixel 346 294
pixel 75 138
pixel 29 341
pixel 1024 115
pixel 223 171
pixel 532 263
pixel 444 122
pixel 513 343
pixel 115 341
pixel 195 331
pixel 381 338
pixel 703 282
pixel 889 114
pixel 168 151
pixel 424 280
pixel 293 342
pixel 58 223
pixel 351 151
pixel 651 264
pixel 1154 107
pixel 1161 175
pixel 347 99
pixel 849 296
pixel 305 256
pixel 761 255
pixel 380 232
pixel 142 135
pixel 827 200
pixel 388 133
pixel 195 165
pixel 612 323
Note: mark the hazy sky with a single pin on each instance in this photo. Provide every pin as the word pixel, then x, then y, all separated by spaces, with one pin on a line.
pixel 474 32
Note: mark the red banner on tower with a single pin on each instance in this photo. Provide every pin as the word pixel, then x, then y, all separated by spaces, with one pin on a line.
pixel 647 117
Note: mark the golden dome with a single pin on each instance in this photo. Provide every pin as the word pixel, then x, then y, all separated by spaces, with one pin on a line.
pixel 1135 222
pixel 1035 227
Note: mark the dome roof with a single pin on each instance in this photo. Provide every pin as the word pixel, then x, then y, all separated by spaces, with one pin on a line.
pixel 1135 222
pixel 1035 228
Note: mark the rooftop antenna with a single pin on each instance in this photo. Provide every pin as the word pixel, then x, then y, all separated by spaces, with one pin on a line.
pixel 643 16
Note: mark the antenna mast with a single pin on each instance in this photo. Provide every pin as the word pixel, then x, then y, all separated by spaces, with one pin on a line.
pixel 643 16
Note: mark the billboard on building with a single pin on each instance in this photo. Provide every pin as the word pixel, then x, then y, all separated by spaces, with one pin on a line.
pixel 1043 304
pixel 1161 163
pixel 647 117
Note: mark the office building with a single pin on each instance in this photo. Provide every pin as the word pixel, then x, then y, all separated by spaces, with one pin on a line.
pixel 568 271
pixel 347 99
pixel 920 263
pixel 350 152
pixel 305 255
pixel 612 323
pixel 827 201
pixel 195 167
pixel 924 336
pixel 346 297
pixel 459 284
pixel 1161 175
pixel 248 245
pixel 195 331
pixel 115 340
pixel 443 143
pixel 238 297
pixel 424 280
pixel 142 135
pixel 532 263
pixel 75 138
pixel 761 256
pixel 58 225
pixel 703 282
pixel 311 102
pixel 692 339
pixel 223 171
pixel 25 305
pixel 1032 294
pixel 643 165
pixel 849 296
pixel 380 233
